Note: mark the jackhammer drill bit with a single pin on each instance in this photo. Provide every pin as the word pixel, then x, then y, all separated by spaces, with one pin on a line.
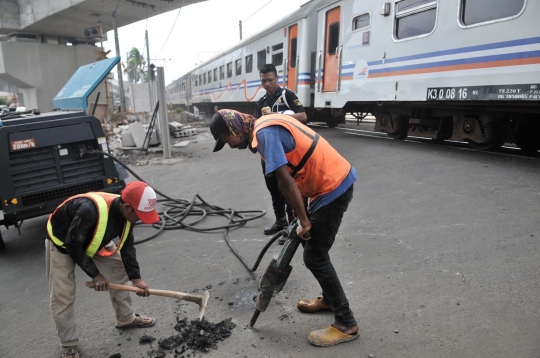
pixel 277 273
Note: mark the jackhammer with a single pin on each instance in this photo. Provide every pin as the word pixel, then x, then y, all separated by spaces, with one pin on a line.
pixel 277 273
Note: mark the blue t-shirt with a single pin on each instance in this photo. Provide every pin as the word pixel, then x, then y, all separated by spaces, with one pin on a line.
pixel 275 142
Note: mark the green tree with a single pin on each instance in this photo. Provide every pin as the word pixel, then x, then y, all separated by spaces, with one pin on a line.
pixel 4 101
pixel 136 66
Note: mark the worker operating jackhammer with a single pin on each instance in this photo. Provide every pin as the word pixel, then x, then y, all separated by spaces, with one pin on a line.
pixel 318 183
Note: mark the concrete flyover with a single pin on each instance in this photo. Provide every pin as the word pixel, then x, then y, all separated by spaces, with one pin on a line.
pixel 43 42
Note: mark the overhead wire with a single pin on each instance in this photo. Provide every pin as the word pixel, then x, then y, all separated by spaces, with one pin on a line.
pixel 247 18
pixel 174 23
pixel 257 11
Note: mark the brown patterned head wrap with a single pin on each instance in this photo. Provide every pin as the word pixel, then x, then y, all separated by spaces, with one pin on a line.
pixel 240 126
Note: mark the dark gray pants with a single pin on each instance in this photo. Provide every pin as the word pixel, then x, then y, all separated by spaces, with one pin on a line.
pixel 325 225
pixel 282 210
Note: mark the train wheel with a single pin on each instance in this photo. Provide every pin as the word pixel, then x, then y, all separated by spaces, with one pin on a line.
pixel 483 146
pixel 494 134
pixel 332 123
pixel 400 125
pixel 399 136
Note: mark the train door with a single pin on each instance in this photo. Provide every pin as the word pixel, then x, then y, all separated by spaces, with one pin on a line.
pixel 291 58
pixel 331 50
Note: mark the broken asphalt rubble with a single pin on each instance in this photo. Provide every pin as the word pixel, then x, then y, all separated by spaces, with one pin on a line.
pixel 193 336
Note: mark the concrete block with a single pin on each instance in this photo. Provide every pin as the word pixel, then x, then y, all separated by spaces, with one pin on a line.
pixel 137 132
pixel 127 140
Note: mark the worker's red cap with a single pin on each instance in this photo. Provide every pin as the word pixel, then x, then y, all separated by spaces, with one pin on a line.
pixel 142 198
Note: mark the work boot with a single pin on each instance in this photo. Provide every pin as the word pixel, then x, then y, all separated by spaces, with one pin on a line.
pixel 312 306
pixel 282 240
pixel 277 227
pixel 332 336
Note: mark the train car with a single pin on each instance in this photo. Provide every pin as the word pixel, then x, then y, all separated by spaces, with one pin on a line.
pixel 231 79
pixel 178 93
pixel 461 70
pixel 465 70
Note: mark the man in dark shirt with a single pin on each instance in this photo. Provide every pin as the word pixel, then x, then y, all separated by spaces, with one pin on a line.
pixel 81 232
pixel 277 100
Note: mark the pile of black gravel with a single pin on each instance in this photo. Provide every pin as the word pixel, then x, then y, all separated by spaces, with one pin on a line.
pixel 195 336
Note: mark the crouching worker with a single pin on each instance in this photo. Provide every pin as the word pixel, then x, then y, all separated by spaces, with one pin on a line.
pixel 81 231
pixel 307 167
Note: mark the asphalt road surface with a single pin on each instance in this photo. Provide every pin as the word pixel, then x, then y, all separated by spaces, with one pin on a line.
pixel 438 254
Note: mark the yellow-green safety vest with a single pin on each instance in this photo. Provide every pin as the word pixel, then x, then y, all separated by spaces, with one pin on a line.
pixel 103 202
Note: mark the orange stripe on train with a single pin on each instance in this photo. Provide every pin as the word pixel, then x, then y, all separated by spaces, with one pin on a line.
pixel 504 63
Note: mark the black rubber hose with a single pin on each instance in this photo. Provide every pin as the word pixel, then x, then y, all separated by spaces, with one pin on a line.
pixel 179 209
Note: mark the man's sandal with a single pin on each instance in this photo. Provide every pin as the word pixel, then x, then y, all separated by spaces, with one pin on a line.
pixel 139 321
pixel 70 352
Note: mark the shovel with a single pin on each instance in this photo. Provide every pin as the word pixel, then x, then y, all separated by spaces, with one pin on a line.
pixel 201 300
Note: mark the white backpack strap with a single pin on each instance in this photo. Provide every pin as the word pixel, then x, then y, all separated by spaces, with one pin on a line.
pixel 285 98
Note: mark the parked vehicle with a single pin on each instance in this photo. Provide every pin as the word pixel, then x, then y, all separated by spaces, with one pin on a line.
pixel 48 157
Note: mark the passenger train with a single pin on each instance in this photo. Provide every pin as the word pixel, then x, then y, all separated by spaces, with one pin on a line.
pixel 465 70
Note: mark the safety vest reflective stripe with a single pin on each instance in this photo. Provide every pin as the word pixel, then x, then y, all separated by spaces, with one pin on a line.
pixel 101 227
pixel 103 202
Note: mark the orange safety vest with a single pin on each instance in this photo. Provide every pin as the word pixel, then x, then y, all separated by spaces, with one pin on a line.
pixel 317 168
pixel 103 203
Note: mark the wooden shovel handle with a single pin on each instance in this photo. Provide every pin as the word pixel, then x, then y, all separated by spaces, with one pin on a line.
pixel 166 293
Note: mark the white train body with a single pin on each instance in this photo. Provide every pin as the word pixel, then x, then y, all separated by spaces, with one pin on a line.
pixel 438 69
pixel 232 80
pixel 377 66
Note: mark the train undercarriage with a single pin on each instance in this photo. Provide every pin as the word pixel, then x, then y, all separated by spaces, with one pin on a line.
pixel 482 127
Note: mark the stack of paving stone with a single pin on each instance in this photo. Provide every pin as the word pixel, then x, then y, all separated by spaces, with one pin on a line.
pixel 178 130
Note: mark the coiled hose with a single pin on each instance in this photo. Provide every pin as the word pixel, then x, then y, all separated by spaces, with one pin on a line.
pixel 179 209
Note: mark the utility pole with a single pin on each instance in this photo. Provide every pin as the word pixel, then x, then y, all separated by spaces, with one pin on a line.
pixel 106 80
pixel 150 92
pixel 163 119
pixel 119 66
pixel 240 24
pixel 130 86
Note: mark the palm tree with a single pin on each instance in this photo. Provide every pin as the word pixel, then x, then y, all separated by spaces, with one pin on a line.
pixel 136 66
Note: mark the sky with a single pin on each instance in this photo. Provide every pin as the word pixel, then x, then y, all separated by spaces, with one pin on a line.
pixel 200 32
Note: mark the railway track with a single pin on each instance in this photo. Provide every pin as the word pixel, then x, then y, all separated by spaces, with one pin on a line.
pixel 363 131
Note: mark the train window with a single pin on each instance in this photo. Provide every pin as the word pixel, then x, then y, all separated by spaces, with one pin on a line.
pixel 215 74
pixel 361 22
pixel 415 18
pixel 204 78
pixel 333 38
pixel 261 59
pixel 249 63
pixel 294 42
pixel 277 54
pixel 209 76
pixel 477 11
pixel 229 70
pixel 222 72
pixel 238 64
